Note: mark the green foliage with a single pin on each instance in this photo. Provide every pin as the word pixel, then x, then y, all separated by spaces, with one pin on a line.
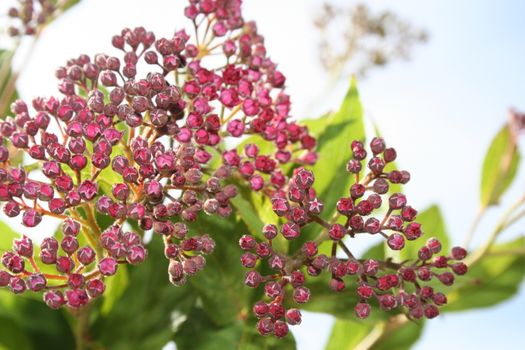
pixel 334 132
pixel 12 336
pixel 142 317
pixel 27 323
pixel 347 334
pixel 256 211
pixel 68 4
pixel 326 300
pixel 223 297
pixel 248 214
pixel 142 310
pixel 499 166
pixel 493 279
pixel 433 225
pixel 394 334
pixel 115 287
pixel 7 234
pixel 199 332
pixel 8 94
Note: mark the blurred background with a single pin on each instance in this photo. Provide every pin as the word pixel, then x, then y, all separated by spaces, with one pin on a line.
pixel 437 77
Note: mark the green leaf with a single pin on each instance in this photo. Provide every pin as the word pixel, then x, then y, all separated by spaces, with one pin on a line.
pixel 399 337
pixel 12 336
pixel 248 214
pixel 220 285
pixel 334 133
pixel 499 167
pixel 107 177
pixel 252 340
pixel 6 236
pixel 377 251
pixel 142 318
pixel 8 93
pixel 494 278
pixel 340 305
pixel 199 332
pixel 347 334
pixel 115 287
pixel 341 128
pixel 26 323
pixel 255 210
pixel 397 333
pixel 433 225
pixel 68 4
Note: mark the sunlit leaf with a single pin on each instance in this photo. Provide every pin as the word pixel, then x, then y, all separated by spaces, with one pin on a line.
pixel 115 287
pixel 142 318
pixel 494 278
pixel 433 226
pixel 334 133
pixel 199 332
pixel 397 333
pixel 499 167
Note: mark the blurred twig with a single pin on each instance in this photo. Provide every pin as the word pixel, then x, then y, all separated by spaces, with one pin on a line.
pixel 354 39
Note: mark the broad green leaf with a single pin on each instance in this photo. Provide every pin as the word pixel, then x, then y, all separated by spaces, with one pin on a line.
pixel 252 340
pixel 68 4
pixel 255 210
pixel 143 316
pixel 494 278
pixel 433 225
pixel 339 304
pixel 347 334
pixel 341 129
pixel 115 287
pixel 377 251
pixel 6 236
pixel 12 336
pixel 499 167
pixel 199 332
pixel 8 93
pixel 107 177
pixel 397 333
pixel 248 214
pixel 335 132
pixel 26 323
pixel 219 285
pixel 400 336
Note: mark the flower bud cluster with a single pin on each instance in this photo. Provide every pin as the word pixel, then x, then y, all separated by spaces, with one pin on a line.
pixel 140 137
pixel 369 209
pixel 31 14
pixel 80 273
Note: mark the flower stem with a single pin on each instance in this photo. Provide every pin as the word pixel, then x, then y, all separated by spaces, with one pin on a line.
pixel 474 226
pixel 81 327
pixel 506 220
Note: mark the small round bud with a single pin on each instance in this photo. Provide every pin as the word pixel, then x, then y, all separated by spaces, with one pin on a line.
pixel 397 201
pixel 108 266
pixel 396 241
pixel 280 329
pixel 301 295
pixel 458 253
pixel 270 231
pixel 362 310
pixel 247 242
pixel 377 145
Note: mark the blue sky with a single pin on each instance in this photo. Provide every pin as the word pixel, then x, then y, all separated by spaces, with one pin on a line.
pixel 440 110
